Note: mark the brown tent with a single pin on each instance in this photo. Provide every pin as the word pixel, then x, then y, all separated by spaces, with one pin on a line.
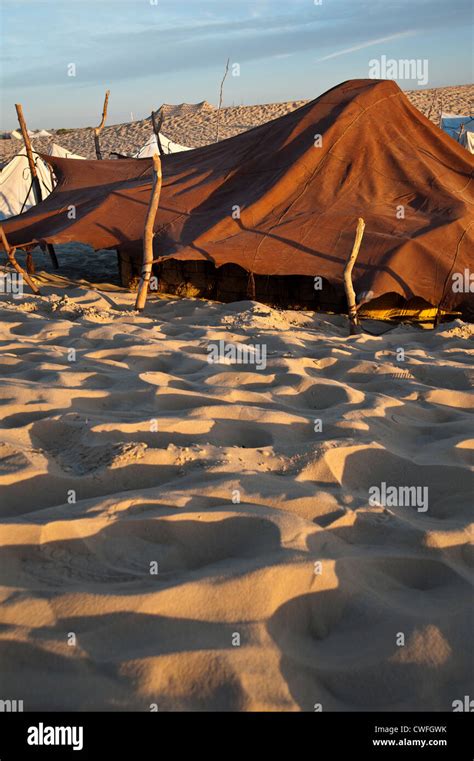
pixel 279 200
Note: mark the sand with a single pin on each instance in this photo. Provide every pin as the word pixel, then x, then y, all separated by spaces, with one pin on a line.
pixel 200 128
pixel 279 586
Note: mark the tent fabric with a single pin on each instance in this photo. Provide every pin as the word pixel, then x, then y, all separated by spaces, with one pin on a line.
pixel 454 125
pixel 18 136
pixel 58 150
pixel 467 140
pixel 151 147
pixel 41 133
pixel 16 191
pixel 284 198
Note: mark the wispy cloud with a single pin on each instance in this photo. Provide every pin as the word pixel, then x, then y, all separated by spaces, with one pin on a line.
pixel 367 44
pixel 176 50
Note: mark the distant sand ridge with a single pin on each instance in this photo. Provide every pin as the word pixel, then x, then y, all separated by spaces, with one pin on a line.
pixel 199 128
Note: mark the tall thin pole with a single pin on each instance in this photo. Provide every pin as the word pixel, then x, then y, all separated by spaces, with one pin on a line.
pixel 220 99
pixel 149 234
pixel 99 129
pixel 157 127
pixel 29 153
pixel 34 175
pixel 349 288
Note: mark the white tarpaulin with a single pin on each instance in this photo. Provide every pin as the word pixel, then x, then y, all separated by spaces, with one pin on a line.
pixel 41 133
pixel 16 190
pixel 467 140
pixel 456 125
pixel 63 153
pixel 151 147
pixel 18 136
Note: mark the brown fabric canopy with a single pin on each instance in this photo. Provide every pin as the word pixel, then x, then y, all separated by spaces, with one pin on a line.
pixel 278 200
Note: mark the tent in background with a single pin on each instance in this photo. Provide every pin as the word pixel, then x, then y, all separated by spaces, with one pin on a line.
pixel 151 147
pixel 16 189
pixel 18 136
pixel 458 127
pixel 467 140
pixel 41 133
pixel 63 153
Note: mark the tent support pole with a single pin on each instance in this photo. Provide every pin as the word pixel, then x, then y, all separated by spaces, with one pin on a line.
pixel 220 99
pixel 354 326
pixel 34 175
pixel 149 234
pixel 99 129
pixel 10 252
pixel 52 255
pixel 29 153
pixel 157 128
pixel 30 265
pixel 251 287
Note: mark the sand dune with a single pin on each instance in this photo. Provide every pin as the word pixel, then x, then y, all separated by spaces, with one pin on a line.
pixel 200 128
pixel 260 525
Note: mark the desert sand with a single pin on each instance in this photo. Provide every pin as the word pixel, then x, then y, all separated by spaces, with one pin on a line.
pixel 177 534
pixel 200 128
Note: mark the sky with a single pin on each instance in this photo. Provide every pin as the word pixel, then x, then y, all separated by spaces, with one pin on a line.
pixel 149 52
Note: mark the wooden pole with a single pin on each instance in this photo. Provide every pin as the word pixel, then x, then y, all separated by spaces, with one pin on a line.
pixel 157 128
pixel 251 287
pixel 149 234
pixel 30 265
pixel 220 99
pixel 34 175
pixel 11 257
pixel 26 139
pixel 433 100
pixel 52 254
pixel 349 288
pixel 99 129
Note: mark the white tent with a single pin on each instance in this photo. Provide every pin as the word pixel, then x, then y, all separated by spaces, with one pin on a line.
pixel 467 140
pixel 460 128
pixel 151 147
pixel 18 136
pixel 63 153
pixel 41 133
pixel 16 190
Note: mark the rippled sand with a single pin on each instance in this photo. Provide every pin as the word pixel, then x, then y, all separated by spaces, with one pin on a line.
pixel 278 586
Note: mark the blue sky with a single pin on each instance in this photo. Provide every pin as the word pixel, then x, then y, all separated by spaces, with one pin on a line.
pixel 152 51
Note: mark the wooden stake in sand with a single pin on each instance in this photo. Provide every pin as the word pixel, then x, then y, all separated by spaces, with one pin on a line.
pixel 34 179
pixel 26 139
pixel 220 99
pixel 10 252
pixel 251 287
pixel 149 234
pixel 99 129
pixel 157 127
pixel 349 288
